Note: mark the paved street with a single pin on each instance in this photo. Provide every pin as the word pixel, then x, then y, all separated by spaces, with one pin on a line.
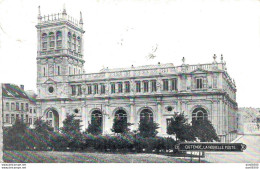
pixel 250 155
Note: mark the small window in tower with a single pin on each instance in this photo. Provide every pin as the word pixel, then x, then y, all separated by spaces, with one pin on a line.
pixel 58 71
pixel 79 44
pixel 51 39
pixel 44 41
pixel 69 40
pixel 44 71
pixel 59 39
pixel 74 42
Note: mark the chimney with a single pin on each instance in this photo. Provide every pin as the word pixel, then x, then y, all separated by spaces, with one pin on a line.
pixel 22 87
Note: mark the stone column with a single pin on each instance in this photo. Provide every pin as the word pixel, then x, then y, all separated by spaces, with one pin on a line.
pixel 107 120
pixel 62 116
pixel 84 117
pixel 160 118
pixel 132 116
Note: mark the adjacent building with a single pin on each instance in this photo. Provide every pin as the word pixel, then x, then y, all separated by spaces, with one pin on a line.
pixel 18 104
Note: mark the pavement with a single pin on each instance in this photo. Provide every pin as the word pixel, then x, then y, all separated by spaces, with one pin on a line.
pixel 250 155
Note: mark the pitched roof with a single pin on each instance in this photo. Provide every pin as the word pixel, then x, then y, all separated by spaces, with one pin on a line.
pixel 14 91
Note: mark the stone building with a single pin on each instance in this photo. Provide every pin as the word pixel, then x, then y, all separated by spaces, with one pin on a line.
pixel 18 104
pixel 157 91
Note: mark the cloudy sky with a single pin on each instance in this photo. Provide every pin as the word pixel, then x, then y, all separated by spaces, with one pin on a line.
pixel 120 33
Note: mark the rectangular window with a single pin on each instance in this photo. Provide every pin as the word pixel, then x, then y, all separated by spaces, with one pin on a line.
pixel 30 110
pixel 120 88
pixel 12 106
pixel 89 89
pixel 127 87
pixel 168 122
pixel 7 106
pixel 146 86
pixel 73 90
pixel 27 107
pixel 17 106
pixel 58 70
pixel 7 118
pixel 50 123
pixel 12 118
pixel 165 84
pixel 44 45
pixel 138 86
pixel 30 121
pixel 22 106
pixel 199 84
pixel 154 88
pixel 22 119
pixel 17 116
pixel 95 88
pixel 52 44
pixel 34 111
pixel 113 88
pixel 59 44
pixel 79 90
pixel 27 119
pixel 103 89
pixel 174 84
pixel 34 120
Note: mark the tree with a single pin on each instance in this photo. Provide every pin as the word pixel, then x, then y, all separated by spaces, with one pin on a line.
pixel 180 127
pixel 43 134
pixel 204 130
pixel 148 128
pixel 120 126
pixel 15 136
pixel 71 131
pixel 94 128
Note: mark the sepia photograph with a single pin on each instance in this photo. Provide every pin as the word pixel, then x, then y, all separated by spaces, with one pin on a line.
pixel 129 81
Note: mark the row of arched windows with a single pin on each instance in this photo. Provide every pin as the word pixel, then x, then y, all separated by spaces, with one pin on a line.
pixel 120 115
pixel 54 40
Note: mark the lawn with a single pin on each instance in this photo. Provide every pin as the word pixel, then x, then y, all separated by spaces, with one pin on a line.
pixel 83 157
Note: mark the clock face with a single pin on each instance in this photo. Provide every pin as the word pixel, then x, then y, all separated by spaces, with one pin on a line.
pixel 51 89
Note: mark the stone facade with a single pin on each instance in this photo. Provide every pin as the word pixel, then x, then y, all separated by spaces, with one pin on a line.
pixel 157 91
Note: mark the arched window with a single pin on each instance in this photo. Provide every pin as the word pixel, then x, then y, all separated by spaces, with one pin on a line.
pixel 69 40
pixel 146 114
pixel 199 114
pixel 96 117
pixel 74 42
pixel 44 41
pixel 121 115
pixel 59 39
pixel 52 39
pixel 79 44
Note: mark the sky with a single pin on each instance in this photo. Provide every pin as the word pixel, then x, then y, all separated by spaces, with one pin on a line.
pixel 121 33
